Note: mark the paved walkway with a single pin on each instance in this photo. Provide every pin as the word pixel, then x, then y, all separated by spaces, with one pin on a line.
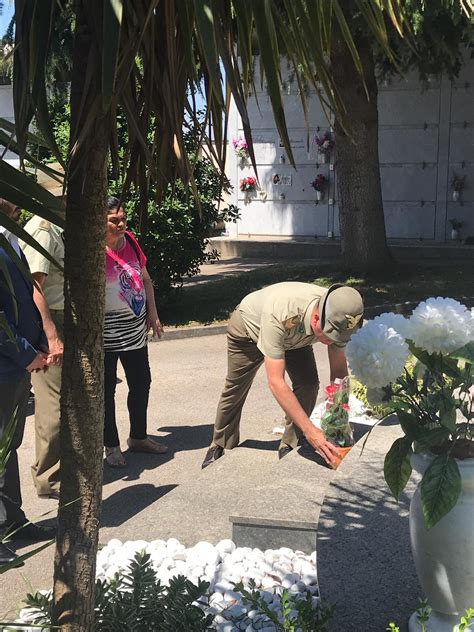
pixel 187 378
pixel 230 267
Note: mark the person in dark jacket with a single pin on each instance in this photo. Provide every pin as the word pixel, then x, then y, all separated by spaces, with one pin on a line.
pixel 23 349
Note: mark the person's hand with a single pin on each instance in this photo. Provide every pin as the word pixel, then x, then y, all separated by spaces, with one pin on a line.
pixel 40 363
pixel 325 448
pixel 154 323
pixel 56 351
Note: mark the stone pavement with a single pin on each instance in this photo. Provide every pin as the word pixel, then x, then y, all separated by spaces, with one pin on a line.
pixel 364 562
pixel 188 375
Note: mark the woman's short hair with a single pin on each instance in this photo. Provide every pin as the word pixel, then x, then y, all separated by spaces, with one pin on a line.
pixel 113 203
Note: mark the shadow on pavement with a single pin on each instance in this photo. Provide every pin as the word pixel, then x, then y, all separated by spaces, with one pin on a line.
pixel 136 464
pixel 187 437
pixel 257 444
pixel 130 501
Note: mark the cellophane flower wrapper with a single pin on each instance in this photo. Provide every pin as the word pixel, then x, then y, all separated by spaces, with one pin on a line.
pixel 335 422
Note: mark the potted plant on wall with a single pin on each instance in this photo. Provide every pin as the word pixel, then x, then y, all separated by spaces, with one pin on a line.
pixel 425 367
pixel 319 185
pixel 455 226
pixel 325 145
pixel 457 185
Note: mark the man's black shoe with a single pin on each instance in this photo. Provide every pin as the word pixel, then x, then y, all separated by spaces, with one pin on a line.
pixel 30 531
pixel 215 452
pixel 283 450
pixel 7 556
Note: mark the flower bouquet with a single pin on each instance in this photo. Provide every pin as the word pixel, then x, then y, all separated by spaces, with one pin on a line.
pixel 319 185
pixel 241 148
pixel 325 145
pixel 248 184
pixel 335 422
pixel 423 367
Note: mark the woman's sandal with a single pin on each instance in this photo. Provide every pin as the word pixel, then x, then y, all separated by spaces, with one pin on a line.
pixel 114 457
pixel 148 445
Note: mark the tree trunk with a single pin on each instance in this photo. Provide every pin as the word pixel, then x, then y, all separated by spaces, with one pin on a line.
pixel 82 406
pixel 361 216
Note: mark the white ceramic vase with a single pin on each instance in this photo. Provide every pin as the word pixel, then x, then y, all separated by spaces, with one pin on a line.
pixel 323 157
pixel 319 195
pixel 454 234
pixel 444 554
pixel 456 196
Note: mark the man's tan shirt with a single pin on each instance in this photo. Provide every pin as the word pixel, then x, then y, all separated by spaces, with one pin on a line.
pixel 278 317
pixel 50 237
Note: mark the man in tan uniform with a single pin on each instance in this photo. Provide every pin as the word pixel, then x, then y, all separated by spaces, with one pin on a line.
pixel 277 326
pixel 49 300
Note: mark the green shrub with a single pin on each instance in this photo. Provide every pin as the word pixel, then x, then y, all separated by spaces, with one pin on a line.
pixel 135 601
pixel 177 231
pixel 297 612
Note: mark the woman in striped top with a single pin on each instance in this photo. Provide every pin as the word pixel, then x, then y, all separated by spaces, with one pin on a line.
pixel 130 312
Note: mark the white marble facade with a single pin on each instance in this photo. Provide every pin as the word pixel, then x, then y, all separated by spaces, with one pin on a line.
pixel 425 136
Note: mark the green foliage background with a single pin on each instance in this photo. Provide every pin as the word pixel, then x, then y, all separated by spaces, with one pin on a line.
pixel 176 236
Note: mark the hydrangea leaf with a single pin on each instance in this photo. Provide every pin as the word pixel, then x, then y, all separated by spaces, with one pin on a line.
pixel 440 489
pixel 423 356
pixel 409 423
pixel 465 353
pixel 430 438
pixel 447 416
pixel 397 468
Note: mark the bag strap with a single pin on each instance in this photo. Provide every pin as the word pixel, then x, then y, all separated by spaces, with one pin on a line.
pixel 133 245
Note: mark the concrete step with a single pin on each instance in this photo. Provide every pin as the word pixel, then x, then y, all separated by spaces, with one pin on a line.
pixel 299 248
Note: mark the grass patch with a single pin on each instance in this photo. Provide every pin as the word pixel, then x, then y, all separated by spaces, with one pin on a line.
pixel 214 301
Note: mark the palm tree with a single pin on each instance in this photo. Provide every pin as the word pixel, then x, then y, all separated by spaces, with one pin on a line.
pixel 150 57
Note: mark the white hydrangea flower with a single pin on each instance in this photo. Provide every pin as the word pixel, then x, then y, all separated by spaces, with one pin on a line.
pixel 377 354
pixel 395 321
pixel 441 325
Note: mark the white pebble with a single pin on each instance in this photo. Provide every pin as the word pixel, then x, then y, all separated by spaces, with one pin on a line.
pixel 225 546
pixel 223 586
pixel 216 597
pixel 310 579
pixel 232 596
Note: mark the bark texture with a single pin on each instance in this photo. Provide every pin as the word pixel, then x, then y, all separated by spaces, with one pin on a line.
pixel 361 216
pixel 82 406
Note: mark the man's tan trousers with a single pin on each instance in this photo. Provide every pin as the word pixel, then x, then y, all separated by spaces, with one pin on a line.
pixel 243 361
pixel 47 388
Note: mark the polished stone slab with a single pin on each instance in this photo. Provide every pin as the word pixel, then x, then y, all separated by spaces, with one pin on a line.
pixel 273 534
pixel 364 560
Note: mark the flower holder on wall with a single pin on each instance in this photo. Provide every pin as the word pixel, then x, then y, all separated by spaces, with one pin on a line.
pixel 241 149
pixel 325 145
pixel 457 185
pixel 319 184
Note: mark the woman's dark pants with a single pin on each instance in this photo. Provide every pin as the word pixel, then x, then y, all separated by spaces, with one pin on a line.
pixel 137 373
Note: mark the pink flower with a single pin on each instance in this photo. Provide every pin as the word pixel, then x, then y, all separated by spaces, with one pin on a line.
pixel 325 142
pixel 240 147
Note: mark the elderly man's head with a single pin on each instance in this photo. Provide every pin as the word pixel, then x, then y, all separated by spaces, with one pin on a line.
pixel 11 210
